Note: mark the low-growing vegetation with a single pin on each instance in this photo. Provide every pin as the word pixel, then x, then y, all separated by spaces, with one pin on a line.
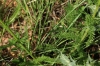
pixel 49 32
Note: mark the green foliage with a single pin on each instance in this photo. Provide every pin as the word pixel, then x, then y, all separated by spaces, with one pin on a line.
pixel 56 42
pixel 44 59
pixel 66 61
